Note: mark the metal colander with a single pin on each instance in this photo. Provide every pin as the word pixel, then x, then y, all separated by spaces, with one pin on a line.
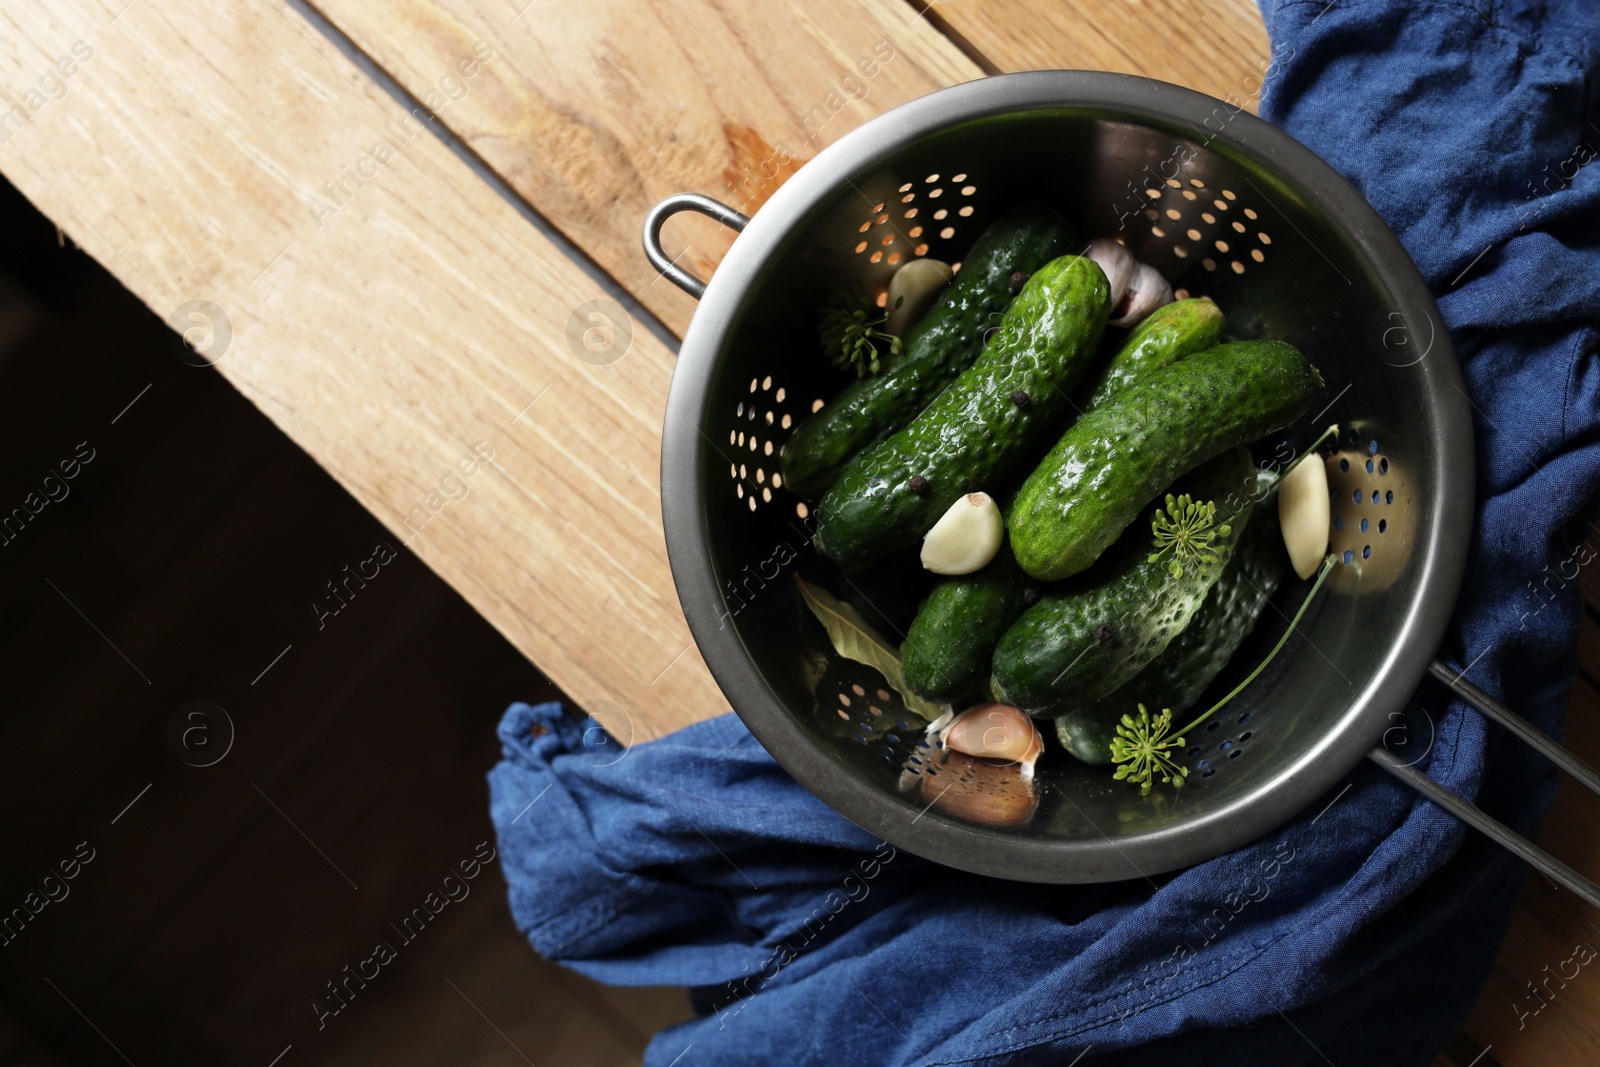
pixel 1225 206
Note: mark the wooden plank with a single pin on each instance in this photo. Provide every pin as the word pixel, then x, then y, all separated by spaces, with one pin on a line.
pixel 386 310
pixel 1216 46
pixel 595 111
pixel 1589 645
pixel 1548 924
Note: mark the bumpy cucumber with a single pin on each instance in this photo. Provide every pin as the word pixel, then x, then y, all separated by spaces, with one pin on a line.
pixel 947 650
pixel 1177 678
pixel 939 347
pixel 949 647
pixel 1115 459
pixel 1086 638
pixel 1167 335
pixel 979 431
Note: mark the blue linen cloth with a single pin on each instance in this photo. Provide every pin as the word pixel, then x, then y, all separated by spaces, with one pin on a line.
pixel 1359 935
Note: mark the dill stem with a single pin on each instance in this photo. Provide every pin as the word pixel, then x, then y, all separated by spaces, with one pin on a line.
pixel 1327 566
pixel 1311 450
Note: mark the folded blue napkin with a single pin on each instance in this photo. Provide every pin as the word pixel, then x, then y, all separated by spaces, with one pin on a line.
pixel 1357 934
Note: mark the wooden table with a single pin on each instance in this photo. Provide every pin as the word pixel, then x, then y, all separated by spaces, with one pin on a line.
pixel 267 176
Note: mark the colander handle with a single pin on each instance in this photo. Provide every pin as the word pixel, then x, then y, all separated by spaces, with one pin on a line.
pixel 1468 812
pixel 669 207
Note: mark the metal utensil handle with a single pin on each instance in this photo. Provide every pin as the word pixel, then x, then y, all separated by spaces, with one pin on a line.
pixel 669 207
pixel 1468 812
pixel 1524 729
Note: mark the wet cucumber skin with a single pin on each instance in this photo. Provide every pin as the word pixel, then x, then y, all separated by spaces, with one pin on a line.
pixel 947 650
pixel 976 433
pixel 1167 335
pixel 939 347
pixel 1177 678
pixel 1086 638
pixel 951 643
pixel 1113 461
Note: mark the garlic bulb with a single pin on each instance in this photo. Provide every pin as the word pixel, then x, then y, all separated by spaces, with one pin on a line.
pixel 1303 513
pixel 1117 262
pixel 912 291
pixel 966 537
pixel 1147 290
pixel 997 732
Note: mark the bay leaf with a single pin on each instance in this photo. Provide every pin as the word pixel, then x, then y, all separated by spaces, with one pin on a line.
pixel 854 639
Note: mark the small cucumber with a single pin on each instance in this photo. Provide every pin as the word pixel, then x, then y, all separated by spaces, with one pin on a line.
pixel 1118 457
pixel 976 433
pixel 939 347
pixel 947 650
pixel 1177 678
pixel 1084 639
pixel 949 647
pixel 1167 335
pixel 1087 732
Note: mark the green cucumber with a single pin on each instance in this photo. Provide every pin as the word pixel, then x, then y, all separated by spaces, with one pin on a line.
pixel 1117 458
pixel 942 344
pixel 950 644
pixel 975 434
pixel 947 650
pixel 1087 732
pixel 1084 639
pixel 1167 334
pixel 1178 677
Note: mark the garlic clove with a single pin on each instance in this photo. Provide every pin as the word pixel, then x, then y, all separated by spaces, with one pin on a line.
pixel 912 291
pixel 976 790
pixel 966 537
pixel 1147 290
pixel 1303 513
pixel 997 732
pixel 1117 262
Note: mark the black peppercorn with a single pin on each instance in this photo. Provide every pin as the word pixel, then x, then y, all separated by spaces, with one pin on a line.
pixel 1020 398
pixel 1017 278
pixel 917 484
pixel 1030 596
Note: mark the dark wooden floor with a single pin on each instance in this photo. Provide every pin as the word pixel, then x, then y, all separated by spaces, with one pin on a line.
pixel 181 563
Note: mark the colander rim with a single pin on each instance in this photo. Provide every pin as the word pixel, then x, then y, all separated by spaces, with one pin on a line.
pixel 1290 789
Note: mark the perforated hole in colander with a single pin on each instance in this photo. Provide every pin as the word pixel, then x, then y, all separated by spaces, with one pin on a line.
pixel 853 704
pixel 763 419
pixel 921 219
pixel 1218 745
pixel 1370 506
pixel 1214 225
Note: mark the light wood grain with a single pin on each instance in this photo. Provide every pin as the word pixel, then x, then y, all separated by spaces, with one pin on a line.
pixel 1216 46
pixel 389 338
pixel 595 111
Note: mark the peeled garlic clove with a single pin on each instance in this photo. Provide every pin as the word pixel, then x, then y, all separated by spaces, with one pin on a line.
pixel 1147 290
pixel 912 291
pixel 1303 513
pixel 1116 261
pixel 966 537
pixel 997 732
